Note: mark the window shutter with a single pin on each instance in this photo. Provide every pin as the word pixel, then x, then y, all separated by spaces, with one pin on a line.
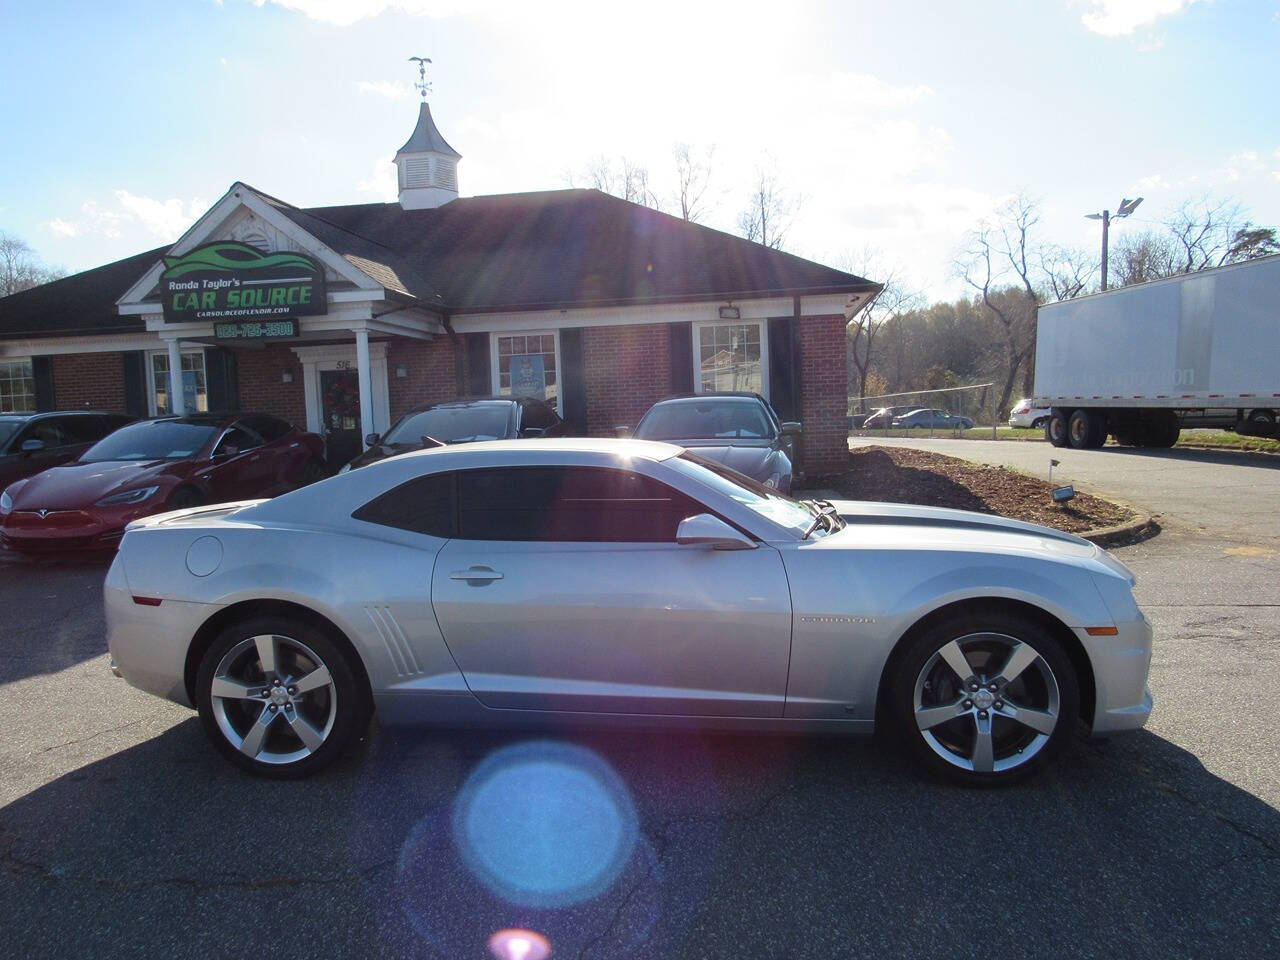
pixel 784 368
pixel 479 375
pixel 135 383
pixel 221 381
pixel 42 372
pixel 573 378
pixel 681 350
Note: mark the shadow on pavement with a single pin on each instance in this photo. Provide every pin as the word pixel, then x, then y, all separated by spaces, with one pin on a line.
pixel 747 846
pixel 42 614
pixel 1226 457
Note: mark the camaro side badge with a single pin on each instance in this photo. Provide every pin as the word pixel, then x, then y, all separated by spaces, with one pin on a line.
pixel 837 619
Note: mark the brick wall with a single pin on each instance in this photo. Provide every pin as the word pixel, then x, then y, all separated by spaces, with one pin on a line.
pixel 431 374
pixel 262 387
pixel 627 370
pixel 88 381
pixel 824 394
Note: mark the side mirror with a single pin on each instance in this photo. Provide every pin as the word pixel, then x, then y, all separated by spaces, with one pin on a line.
pixel 622 432
pixel 226 452
pixel 32 446
pixel 704 530
pixel 791 427
pixel 372 439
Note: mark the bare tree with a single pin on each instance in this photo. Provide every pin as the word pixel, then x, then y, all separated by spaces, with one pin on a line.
pixel 1204 232
pixel 895 298
pixel 768 212
pixel 693 178
pixel 623 178
pixel 1066 272
pixel 1200 235
pixel 20 269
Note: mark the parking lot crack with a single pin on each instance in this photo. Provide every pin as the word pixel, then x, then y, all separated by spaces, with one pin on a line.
pixel 92 736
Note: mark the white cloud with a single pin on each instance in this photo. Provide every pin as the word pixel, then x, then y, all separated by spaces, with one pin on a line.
pixel 163 220
pixel 1121 18
pixel 383 88
pixel 382 182
pixel 343 13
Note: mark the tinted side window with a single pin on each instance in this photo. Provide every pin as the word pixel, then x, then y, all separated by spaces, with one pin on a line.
pixel 84 429
pixel 240 438
pixel 48 431
pixel 269 428
pixel 569 503
pixel 423 505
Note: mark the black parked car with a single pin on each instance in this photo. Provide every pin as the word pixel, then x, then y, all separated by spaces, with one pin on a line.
pixel 463 421
pixel 33 442
pixel 739 430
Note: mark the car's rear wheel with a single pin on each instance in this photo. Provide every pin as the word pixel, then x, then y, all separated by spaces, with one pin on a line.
pixel 277 697
pixel 1039 423
pixel 984 701
pixel 184 498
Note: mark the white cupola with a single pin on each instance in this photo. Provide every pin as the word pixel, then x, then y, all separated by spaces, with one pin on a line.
pixel 427 166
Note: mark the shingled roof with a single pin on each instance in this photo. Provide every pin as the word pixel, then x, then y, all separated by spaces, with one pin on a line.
pixel 521 251
pixel 426 138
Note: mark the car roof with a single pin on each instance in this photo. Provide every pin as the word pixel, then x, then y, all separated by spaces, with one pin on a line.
pixel 711 395
pixel 475 402
pixel 635 449
pixel 43 414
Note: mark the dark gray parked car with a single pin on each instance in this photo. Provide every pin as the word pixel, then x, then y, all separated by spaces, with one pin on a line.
pixel 33 442
pixel 937 419
pixel 739 430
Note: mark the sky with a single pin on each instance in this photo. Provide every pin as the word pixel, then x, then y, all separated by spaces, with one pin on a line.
pixel 896 126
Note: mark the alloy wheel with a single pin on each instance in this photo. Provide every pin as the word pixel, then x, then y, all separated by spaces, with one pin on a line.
pixel 986 702
pixel 274 699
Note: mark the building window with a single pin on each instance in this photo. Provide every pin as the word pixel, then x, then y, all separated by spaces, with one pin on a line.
pixel 17 386
pixel 526 364
pixel 195 400
pixel 730 356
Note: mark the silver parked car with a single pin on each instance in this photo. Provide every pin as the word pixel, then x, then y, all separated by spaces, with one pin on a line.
pixel 621 582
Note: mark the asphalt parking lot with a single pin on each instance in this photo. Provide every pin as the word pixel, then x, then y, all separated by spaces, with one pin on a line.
pixel 123 834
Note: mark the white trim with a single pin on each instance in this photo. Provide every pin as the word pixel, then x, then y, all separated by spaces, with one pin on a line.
pixel 315 359
pixel 162 348
pixel 494 383
pixel 548 320
pixel 239 195
pixel 62 345
pixel 764 350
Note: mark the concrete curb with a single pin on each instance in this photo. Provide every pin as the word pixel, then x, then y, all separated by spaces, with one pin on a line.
pixel 1142 526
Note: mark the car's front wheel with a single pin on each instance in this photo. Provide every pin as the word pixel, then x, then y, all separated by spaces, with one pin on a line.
pixel 984 700
pixel 277 697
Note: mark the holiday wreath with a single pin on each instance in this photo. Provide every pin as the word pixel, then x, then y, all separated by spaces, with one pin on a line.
pixel 342 397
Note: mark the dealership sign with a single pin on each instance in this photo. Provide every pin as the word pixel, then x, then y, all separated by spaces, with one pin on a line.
pixel 229 280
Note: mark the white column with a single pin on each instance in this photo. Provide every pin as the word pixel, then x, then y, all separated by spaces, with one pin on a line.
pixel 177 404
pixel 366 378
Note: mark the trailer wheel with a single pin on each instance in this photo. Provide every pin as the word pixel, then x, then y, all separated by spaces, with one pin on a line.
pixel 1085 430
pixel 1055 428
pixel 1161 431
pixel 1262 423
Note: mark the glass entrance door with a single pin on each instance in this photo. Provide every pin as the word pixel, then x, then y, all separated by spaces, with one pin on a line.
pixel 340 414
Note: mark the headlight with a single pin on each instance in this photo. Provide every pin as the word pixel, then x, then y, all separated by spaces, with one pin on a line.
pixel 126 496
pixel 344 469
pixel 6 502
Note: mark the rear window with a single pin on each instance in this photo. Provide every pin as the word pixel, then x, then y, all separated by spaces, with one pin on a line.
pixel 152 440
pixel 453 425
pixel 705 420
pixel 423 505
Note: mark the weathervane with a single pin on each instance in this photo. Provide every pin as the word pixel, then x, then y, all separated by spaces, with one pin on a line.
pixel 422 86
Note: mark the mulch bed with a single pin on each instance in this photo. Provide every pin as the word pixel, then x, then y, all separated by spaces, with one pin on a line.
pixel 902 475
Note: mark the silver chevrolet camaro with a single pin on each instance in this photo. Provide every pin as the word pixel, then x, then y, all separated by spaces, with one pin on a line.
pixel 621 582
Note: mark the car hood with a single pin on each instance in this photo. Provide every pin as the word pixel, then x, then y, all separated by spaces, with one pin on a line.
pixel 856 512
pixel 746 457
pixel 75 485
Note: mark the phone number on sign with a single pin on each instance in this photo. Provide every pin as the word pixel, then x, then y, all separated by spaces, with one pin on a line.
pixel 278 328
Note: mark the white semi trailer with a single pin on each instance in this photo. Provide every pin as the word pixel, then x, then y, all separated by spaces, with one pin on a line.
pixel 1141 362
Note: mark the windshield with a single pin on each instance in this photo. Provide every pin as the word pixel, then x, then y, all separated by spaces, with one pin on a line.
pixel 452 425
pixel 7 429
pixel 705 420
pixel 152 440
pixel 766 501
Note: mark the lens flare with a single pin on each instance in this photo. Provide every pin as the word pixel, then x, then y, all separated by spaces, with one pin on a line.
pixel 519 945
pixel 545 824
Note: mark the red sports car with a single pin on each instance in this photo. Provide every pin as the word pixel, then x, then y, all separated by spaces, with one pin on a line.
pixel 151 466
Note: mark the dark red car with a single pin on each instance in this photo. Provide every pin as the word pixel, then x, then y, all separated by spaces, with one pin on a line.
pixel 152 466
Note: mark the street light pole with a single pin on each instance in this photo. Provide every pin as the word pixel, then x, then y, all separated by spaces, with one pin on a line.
pixel 1106 216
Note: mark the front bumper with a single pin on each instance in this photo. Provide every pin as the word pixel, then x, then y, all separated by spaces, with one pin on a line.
pixel 65 531
pixel 1120 667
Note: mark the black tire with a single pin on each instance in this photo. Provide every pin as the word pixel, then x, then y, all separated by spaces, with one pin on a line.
pixel 1039 423
pixel 1161 431
pixel 919 665
pixel 184 498
pixel 1082 429
pixel 1262 423
pixel 1055 429
pixel 336 711
pixel 313 472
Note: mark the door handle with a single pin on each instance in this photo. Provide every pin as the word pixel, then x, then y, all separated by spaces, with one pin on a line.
pixel 476 575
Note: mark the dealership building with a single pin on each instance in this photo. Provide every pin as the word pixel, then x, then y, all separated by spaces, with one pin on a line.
pixel 342 318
